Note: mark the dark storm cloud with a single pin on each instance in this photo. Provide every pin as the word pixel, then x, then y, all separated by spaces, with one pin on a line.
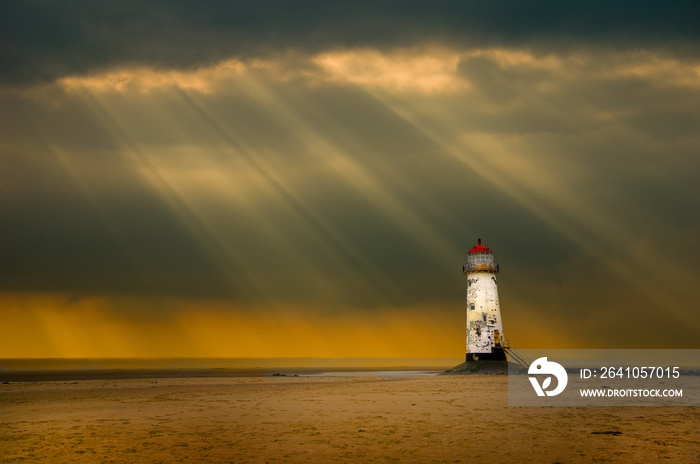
pixel 42 41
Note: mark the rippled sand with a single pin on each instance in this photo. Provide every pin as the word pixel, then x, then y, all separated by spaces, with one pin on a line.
pixel 325 419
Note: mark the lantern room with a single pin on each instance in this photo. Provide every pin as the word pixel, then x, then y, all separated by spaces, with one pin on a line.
pixel 480 258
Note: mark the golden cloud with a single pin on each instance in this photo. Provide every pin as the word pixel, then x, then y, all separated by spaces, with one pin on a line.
pixel 143 79
pixel 432 71
pixel 414 70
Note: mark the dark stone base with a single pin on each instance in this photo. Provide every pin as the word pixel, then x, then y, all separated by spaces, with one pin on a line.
pixel 479 368
pixel 496 355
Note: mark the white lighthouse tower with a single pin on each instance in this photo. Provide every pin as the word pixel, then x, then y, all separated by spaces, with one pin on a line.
pixel 484 325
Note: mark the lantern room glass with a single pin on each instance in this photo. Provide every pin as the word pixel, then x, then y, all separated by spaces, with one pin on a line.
pixel 480 257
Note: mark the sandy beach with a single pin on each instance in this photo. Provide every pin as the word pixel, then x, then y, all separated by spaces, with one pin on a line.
pixel 323 419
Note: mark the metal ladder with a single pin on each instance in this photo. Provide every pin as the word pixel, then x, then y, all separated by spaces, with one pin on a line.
pixel 515 356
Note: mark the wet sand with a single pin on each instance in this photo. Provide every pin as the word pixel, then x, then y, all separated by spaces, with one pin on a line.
pixel 324 419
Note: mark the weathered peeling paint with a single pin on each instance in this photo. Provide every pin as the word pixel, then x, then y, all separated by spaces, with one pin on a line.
pixel 482 295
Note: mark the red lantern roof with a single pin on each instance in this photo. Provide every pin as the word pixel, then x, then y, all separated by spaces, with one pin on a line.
pixel 479 248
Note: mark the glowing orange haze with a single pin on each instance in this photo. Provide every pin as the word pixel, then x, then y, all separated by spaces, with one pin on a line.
pixel 52 326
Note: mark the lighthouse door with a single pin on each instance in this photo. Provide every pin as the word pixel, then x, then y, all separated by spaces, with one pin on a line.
pixel 496 337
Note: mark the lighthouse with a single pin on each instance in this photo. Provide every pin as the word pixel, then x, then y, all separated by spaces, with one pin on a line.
pixel 484 324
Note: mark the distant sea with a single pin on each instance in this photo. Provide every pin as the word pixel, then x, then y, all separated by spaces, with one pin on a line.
pixel 29 369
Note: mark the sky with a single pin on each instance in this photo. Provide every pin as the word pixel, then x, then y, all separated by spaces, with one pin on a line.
pixel 304 179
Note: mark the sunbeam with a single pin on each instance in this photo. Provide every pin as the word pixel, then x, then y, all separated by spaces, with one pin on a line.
pixel 331 238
